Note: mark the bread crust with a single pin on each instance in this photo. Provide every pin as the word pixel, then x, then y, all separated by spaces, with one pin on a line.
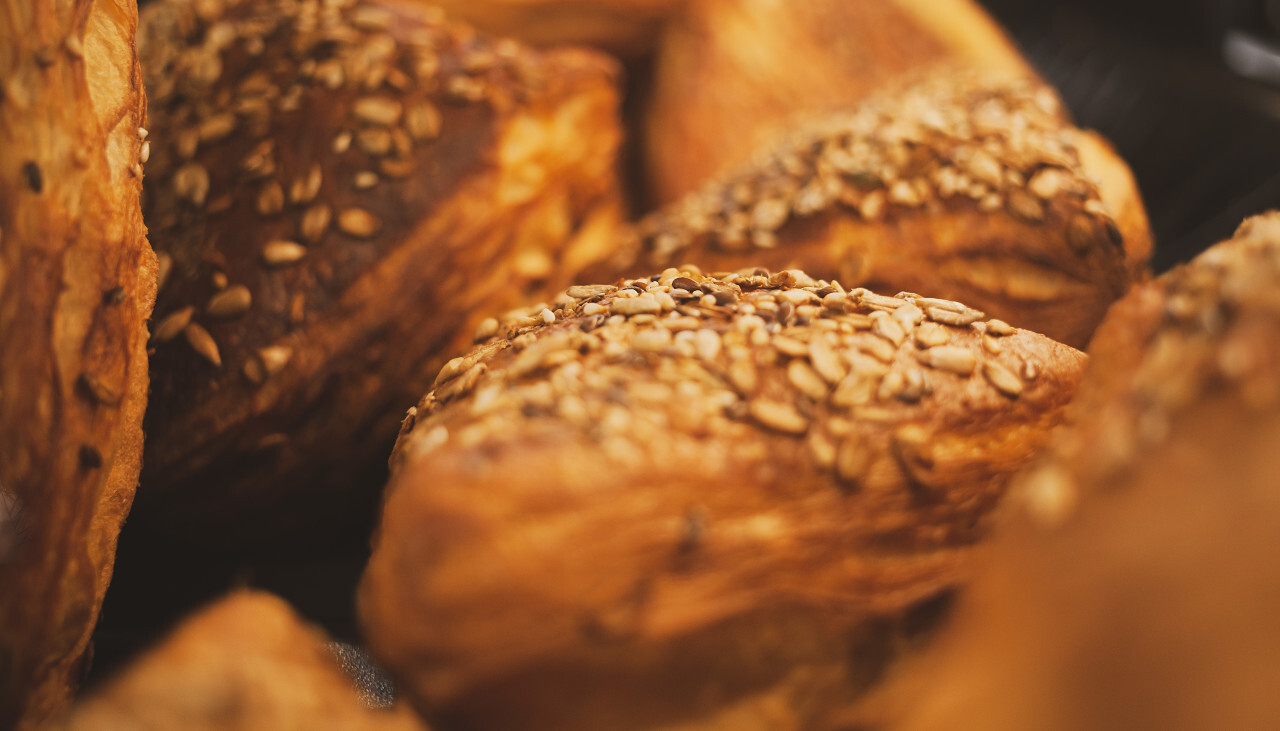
pixel 77 282
pixel 733 74
pixel 1131 583
pixel 961 186
pixel 628 28
pixel 694 494
pixel 335 198
pixel 246 662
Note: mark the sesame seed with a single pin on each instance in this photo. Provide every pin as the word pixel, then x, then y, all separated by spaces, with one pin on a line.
pixel 144 152
pixel 314 222
pixel 281 253
pixel 270 198
pixel 778 416
pixel 172 324
pixel 950 358
pixel 1004 380
pixel 230 302
pixel 359 223
pixel 202 342
pixel 381 110
pixel 635 306
pixel 342 142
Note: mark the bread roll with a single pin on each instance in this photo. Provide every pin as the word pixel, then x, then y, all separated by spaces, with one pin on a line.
pixel 77 281
pixel 626 27
pixel 245 663
pixel 336 188
pixel 959 187
pixel 688 500
pixel 1134 584
pixel 731 74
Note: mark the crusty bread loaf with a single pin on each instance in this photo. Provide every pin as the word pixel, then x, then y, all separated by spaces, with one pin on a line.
pixel 694 499
pixel 77 281
pixel 1133 584
pixel 961 186
pixel 731 74
pixel 246 663
pixel 629 28
pixel 336 189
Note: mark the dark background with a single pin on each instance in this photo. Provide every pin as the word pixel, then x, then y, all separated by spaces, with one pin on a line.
pixel 1202 139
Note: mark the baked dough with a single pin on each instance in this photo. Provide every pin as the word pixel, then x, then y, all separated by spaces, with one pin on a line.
pixel 691 499
pixel 77 281
pixel 246 663
pixel 336 189
pixel 961 186
pixel 732 74
pixel 1133 583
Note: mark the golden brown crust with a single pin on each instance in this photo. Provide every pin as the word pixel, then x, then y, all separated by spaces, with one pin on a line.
pixel 731 74
pixel 248 662
pixel 1133 583
pixel 335 190
pixel 77 281
pixel 960 186
pixel 629 28
pixel 693 489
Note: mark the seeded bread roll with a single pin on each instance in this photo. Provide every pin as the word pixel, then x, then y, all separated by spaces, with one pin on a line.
pixel 77 281
pixel 335 190
pixel 687 500
pixel 731 74
pixel 247 662
pixel 626 27
pixel 1133 585
pixel 959 187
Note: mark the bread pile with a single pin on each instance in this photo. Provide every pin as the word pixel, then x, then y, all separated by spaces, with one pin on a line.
pixel 726 463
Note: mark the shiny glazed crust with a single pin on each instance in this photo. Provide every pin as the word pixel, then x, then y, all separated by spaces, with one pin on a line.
pixel 731 74
pixel 961 186
pixel 336 188
pixel 246 663
pixel 1132 583
pixel 686 500
pixel 77 281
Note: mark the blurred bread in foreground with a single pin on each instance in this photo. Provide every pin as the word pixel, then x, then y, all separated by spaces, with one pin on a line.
pixel 1134 584
pixel 246 663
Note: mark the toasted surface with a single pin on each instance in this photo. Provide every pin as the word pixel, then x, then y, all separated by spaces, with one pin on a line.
pixel 961 186
pixel 337 189
pixel 732 74
pixel 694 492
pixel 1133 583
pixel 627 27
pixel 77 281
pixel 246 662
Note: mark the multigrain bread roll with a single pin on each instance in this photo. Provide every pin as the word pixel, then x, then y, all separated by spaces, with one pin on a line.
pixel 960 186
pixel 731 74
pixel 247 662
pixel 699 500
pixel 77 281
pixel 1133 585
pixel 335 189
pixel 629 28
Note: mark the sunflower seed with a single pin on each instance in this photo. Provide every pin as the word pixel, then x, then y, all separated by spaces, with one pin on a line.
pixel 281 253
pixel 202 342
pixel 230 302
pixel 172 325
